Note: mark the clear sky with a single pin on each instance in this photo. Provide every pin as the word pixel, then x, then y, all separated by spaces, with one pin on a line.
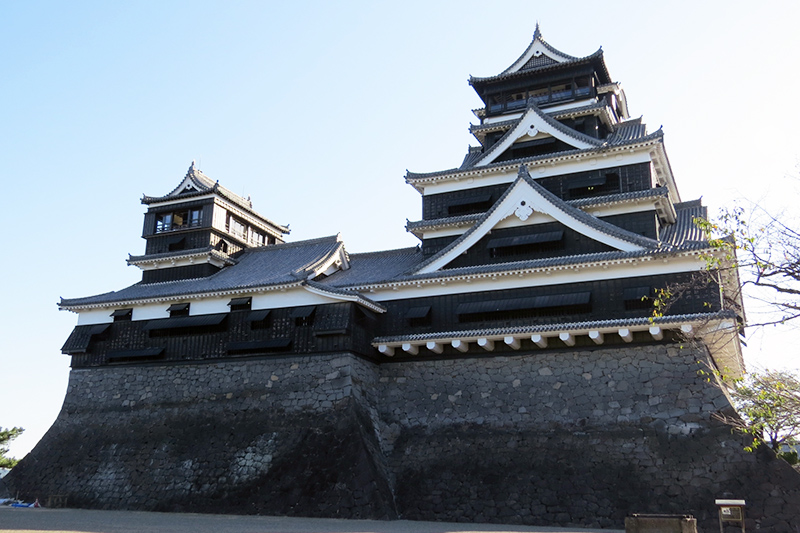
pixel 315 110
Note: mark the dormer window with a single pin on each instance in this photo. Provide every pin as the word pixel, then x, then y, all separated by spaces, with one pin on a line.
pixel 176 220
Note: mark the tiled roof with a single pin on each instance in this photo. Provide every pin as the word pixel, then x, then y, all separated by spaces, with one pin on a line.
pixel 553 123
pixel 610 199
pixel 628 131
pixel 266 266
pixel 546 328
pixel 615 142
pixel 443 222
pixel 473 154
pixel 473 80
pixel 685 230
pixel 573 111
pixel 541 63
pixel 554 262
pixel 349 295
pixel 280 265
pixel 376 267
pixel 175 254
pixel 558 203
pixel 205 185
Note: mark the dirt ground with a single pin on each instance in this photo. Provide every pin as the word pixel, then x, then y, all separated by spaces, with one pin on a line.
pixel 87 521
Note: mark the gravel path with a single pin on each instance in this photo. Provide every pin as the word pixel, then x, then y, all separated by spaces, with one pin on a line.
pixel 88 521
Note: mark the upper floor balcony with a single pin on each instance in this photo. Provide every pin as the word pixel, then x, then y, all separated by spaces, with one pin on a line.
pixel 555 93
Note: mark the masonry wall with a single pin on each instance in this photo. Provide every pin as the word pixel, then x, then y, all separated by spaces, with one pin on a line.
pixel 560 437
pixel 573 438
pixel 279 436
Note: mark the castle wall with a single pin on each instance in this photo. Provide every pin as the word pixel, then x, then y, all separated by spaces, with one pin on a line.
pixel 291 436
pixel 573 438
pixel 559 437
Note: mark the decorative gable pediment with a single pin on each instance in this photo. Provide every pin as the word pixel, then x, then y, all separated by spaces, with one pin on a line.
pixel 534 124
pixel 523 200
pixel 538 54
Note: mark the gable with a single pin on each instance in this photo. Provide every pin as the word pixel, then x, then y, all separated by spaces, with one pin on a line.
pixel 538 54
pixel 530 203
pixel 536 126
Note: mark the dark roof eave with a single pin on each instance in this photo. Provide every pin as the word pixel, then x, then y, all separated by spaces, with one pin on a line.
pixel 657 192
pixel 543 328
pixel 596 57
pixel 539 264
pixel 412 177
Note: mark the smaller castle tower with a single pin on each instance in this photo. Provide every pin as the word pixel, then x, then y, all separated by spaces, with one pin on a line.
pixel 193 231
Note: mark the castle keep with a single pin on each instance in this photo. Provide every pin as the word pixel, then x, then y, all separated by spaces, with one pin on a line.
pixel 510 368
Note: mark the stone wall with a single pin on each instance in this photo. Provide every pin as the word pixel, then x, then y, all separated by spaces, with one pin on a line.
pixel 559 437
pixel 573 437
pixel 280 436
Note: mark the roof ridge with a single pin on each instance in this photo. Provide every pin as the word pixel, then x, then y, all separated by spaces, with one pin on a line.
pixel 382 252
pixel 550 121
pixel 410 176
pixel 582 202
pixel 601 225
pixel 294 244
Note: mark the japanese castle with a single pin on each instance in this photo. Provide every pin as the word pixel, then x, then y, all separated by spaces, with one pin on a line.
pixel 543 356
pixel 557 230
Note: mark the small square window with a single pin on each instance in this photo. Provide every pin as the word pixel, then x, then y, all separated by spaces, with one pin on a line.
pixel 178 310
pixel 122 315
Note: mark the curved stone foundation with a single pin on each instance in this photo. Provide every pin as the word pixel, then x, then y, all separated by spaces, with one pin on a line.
pixel 549 438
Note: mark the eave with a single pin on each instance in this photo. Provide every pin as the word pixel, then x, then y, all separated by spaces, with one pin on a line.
pixel 600 109
pixel 658 197
pixel 180 297
pixel 687 324
pixel 595 59
pixel 541 267
pixel 419 180
pixel 173 259
pixel 343 295
pixel 717 330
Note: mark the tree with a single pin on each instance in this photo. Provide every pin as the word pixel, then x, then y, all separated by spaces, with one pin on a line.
pixel 760 252
pixel 6 436
pixel 769 404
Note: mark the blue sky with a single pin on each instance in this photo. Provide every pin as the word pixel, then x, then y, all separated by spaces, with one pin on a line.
pixel 315 110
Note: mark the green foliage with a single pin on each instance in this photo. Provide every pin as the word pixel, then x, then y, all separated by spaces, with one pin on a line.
pixel 789 457
pixel 6 436
pixel 769 404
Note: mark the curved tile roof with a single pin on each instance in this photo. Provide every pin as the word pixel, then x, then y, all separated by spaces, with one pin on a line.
pixel 685 230
pixel 411 177
pixel 376 267
pixel 335 292
pixel 256 267
pixel 532 108
pixel 558 203
pixel 549 328
pixel 205 185
pixel 596 201
pixel 540 64
pixel 279 264
pixel 479 130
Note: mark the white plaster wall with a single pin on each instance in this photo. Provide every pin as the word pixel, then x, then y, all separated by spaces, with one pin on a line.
pixel 95 316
